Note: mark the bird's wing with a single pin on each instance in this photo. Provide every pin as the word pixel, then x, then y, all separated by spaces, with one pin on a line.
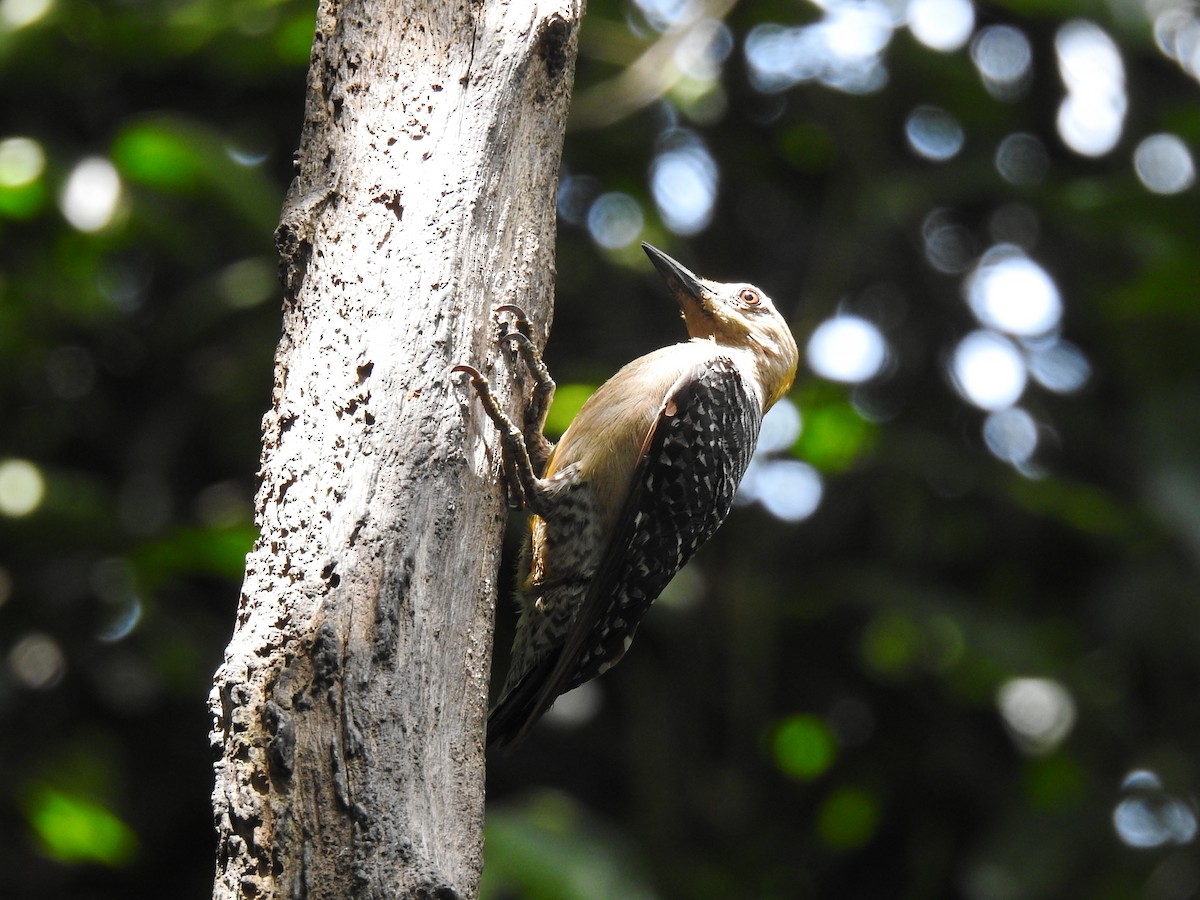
pixel 692 460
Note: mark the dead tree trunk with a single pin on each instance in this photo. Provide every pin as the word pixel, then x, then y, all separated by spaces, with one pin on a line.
pixel 350 706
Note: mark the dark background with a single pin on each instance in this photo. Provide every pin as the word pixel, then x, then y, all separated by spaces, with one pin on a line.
pixel 970 671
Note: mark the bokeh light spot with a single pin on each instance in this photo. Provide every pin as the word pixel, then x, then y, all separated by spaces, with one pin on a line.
pixel 943 25
pixel 1004 58
pixel 847 348
pixel 1022 160
pixel 988 370
pixel 1177 33
pixel 933 133
pixel 22 161
pixel 92 195
pixel 1148 817
pixel 1164 164
pixel 615 220
pixel 848 818
pixel 577 706
pixel 1011 435
pixel 780 427
pixel 787 488
pixel 37 661
pixel 248 282
pixel 891 643
pixel 780 57
pixel 1011 293
pixel 1089 126
pixel 15 14
pixel 21 488
pixel 703 49
pixel 662 14
pixel 1092 115
pixel 576 194
pixel 246 156
pixel 804 747
pixel 1060 367
pixel 122 621
pixel 843 50
pixel 949 247
pixel 857 31
pixel 1039 713
pixel 683 180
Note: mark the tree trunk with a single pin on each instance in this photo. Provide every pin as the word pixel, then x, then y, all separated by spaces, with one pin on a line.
pixel 350 706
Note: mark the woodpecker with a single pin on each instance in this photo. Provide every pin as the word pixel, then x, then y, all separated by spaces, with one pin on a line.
pixel 643 476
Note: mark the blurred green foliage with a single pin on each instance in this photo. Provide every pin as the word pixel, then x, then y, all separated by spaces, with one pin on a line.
pixel 75 830
pixel 804 746
pixel 843 706
pixel 568 400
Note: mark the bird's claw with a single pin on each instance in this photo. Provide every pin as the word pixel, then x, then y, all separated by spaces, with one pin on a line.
pixel 519 320
pixel 515 493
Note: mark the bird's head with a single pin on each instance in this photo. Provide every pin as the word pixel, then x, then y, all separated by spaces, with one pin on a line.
pixel 736 315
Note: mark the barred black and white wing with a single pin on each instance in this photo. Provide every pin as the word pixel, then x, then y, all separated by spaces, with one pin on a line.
pixel 683 487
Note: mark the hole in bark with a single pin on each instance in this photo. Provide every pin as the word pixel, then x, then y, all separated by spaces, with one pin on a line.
pixel 552 44
pixel 329 573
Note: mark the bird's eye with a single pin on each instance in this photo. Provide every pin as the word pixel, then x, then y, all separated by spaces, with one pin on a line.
pixel 749 297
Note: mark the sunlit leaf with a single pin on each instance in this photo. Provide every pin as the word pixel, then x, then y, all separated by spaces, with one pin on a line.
pixel 73 829
pixel 217 551
pixel 22 201
pixel 160 155
pixel 568 400
pixel 834 435
pixel 175 154
pixel 293 42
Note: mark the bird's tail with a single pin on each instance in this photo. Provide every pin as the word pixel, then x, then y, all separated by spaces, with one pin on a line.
pixel 520 707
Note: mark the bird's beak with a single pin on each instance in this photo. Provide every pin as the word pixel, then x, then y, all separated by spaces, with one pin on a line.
pixel 683 284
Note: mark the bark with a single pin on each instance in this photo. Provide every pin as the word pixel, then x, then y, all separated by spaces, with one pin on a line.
pixel 349 710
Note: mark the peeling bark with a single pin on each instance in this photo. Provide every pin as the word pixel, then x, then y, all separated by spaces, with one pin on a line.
pixel 350 706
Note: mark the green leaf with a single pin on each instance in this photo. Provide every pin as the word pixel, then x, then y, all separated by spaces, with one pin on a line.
pixel 293 42
pixel 176 155
pixel 22 201
pixel 160 155
pixel 568 400
pixel 73 829
pixel 834 436
pixel 217 551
